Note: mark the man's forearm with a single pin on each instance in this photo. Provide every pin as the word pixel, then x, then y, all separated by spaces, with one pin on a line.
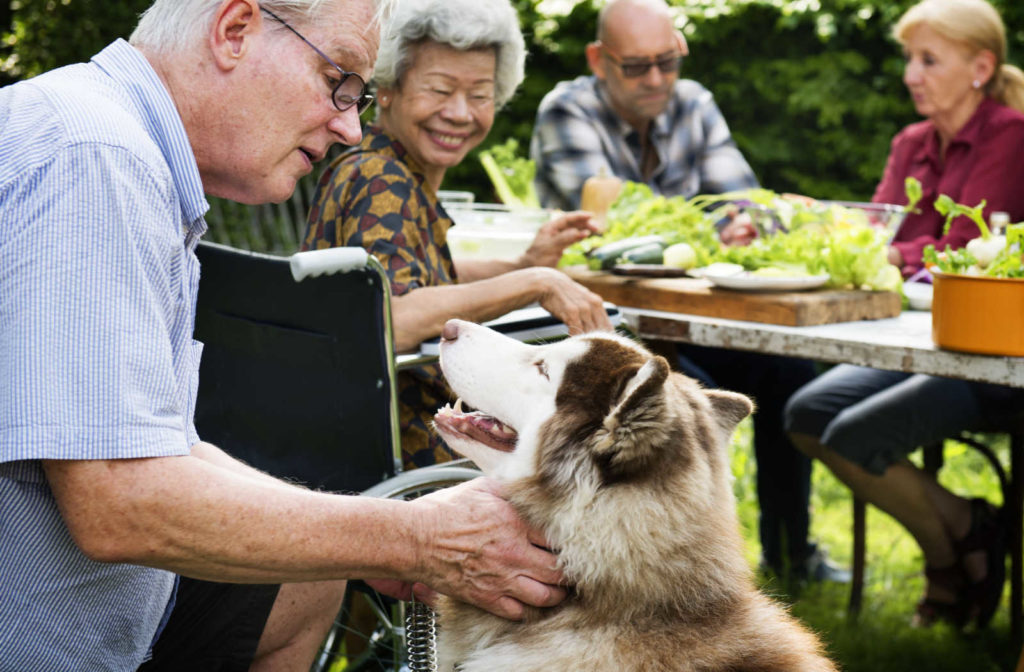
pixel 201 519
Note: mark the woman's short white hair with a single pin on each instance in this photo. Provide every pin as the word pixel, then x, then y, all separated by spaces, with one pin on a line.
pixel 172 25
pixel 459 24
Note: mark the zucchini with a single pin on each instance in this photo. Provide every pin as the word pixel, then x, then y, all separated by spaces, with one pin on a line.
pixel 651 253
pixel 604 257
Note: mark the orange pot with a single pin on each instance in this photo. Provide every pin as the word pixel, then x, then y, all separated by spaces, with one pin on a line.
pixel 977 314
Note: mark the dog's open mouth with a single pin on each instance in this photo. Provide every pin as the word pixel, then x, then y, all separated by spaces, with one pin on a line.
pixel 476 425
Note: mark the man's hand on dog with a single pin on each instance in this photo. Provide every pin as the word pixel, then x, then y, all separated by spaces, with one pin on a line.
pixel 476 549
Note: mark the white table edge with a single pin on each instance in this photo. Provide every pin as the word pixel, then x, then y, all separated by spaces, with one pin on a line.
pixel 901 343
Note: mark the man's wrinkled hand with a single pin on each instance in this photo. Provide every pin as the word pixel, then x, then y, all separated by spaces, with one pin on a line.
pixel 478 550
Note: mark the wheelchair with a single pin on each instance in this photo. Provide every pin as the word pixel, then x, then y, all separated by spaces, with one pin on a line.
pixel 298 352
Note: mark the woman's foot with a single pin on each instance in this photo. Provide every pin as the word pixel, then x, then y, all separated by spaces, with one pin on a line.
pixel 946 598
pixel 981 554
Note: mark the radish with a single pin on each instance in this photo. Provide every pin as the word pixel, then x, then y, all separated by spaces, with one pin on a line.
pixel 985 250
pixel 987 246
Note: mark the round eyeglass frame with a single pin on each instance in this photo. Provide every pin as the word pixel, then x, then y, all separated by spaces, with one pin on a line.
pixel 342 100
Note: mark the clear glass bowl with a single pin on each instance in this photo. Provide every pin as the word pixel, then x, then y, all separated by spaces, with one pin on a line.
pixel 882 215
pixel 491 230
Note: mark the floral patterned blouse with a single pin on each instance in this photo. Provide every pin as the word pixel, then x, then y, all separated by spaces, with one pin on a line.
pixel 375 196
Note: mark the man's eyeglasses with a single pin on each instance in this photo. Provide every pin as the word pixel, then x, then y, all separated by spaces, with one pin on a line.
pixel 350 89
pixel 634 69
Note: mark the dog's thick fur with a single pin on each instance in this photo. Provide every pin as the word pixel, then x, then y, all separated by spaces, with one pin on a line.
pixel 623 465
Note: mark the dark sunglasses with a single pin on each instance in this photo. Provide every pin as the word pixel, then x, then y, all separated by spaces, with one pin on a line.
pixel 350 89
pixel 634 69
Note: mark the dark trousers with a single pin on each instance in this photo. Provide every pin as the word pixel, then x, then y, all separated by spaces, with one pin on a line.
pixel 783 472
pixel 214 627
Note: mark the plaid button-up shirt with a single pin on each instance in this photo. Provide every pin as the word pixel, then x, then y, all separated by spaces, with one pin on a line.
pixel 577 134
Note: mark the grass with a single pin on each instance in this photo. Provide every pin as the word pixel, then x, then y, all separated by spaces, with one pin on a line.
pixel 881 639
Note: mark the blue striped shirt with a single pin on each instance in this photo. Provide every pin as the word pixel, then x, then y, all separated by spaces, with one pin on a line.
pixel 101 205
pixel 577 135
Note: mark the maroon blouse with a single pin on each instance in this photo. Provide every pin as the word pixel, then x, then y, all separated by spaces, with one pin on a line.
pixel 985 161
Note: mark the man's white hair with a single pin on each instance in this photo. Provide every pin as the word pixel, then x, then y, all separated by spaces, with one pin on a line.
pixel 172 25
pixel 460 24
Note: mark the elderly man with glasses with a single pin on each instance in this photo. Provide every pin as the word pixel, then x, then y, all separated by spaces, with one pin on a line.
pixel 636 120
pixel 107 494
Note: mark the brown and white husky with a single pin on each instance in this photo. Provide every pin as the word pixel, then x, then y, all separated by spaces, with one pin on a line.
pixel 623 464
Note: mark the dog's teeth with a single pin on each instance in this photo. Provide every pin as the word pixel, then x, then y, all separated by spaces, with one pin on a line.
pixel 458 405
pixel 504 430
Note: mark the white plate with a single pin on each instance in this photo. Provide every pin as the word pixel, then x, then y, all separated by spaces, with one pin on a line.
pixel 719 268
pixel 768 283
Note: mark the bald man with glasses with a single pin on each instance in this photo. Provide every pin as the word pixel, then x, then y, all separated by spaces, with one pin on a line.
pixel 634 118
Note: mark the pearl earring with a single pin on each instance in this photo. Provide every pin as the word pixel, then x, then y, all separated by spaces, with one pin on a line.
pixel 977 84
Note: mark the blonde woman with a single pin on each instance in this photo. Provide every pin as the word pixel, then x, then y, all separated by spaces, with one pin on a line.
pixel 969 144
pixel 862 423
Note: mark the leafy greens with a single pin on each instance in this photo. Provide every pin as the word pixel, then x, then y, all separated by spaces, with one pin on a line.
pixel 796 236
pixel 511 175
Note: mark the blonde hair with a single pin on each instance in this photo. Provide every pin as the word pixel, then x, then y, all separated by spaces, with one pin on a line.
pixel 978 25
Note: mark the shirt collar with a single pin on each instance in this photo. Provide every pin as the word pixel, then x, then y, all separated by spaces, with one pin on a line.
pixel 376 141
pixel 125 65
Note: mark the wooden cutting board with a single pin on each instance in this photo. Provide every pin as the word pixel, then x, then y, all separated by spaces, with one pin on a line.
pixel 699 297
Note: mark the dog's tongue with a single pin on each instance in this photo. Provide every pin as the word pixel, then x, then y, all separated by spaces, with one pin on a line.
pixel 478 426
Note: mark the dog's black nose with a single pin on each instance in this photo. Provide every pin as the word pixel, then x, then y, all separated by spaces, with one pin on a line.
pixel 451 330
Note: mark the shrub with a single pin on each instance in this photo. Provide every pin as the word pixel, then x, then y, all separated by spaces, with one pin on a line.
pixel 812 89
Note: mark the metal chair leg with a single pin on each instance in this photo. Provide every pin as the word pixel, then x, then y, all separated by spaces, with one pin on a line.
pixel 1015 519
pixel 859 550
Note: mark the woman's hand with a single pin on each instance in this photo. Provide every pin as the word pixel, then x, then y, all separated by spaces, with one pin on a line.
pixel 555 236
pixel 895 257
pixel 581 309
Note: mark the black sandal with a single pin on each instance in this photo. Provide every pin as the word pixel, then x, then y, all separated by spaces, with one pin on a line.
pixel 929 610
pixel 987 533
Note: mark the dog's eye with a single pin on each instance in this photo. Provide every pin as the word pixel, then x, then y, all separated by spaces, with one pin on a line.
pixel 542 368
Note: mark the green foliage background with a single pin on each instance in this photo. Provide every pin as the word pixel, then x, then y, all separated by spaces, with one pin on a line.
pixel 811 88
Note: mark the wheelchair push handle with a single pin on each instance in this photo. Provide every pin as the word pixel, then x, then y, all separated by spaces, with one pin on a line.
pixel 333 260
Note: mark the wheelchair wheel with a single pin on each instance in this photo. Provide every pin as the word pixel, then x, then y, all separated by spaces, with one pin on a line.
pixel 369 634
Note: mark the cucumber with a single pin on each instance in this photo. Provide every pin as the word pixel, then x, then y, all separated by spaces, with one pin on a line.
pixel 604 257
pixel 650 253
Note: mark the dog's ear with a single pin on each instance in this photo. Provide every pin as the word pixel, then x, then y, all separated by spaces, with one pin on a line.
pixel 639 384
pixel 630 439
pixel 729 409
